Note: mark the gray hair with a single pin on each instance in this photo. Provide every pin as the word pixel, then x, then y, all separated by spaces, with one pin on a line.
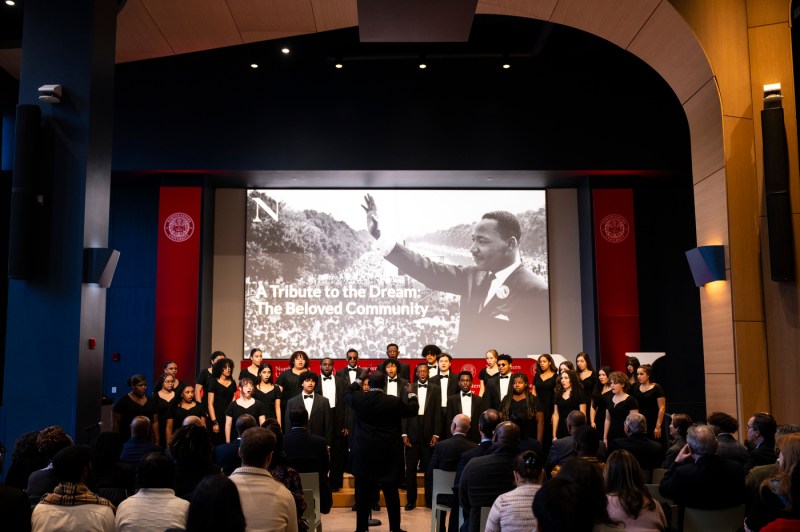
pixel 636 423
pixel 701 440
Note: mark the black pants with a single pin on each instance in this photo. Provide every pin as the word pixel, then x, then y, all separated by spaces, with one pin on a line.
pixel 367 485
pixel 338 460
pixel 418 452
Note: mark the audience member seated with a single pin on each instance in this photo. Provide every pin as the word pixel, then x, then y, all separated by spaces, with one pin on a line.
pixel 486 477
pixel 628 498
pixel 587 447
pixel 15 509
pixel 113 478
pixel 526 441
pixel 724 426
pixel 266 503
pixel 649 453
pixel 215 506
pixel 677 437
pixel 756 476
pixel 154 507
pixel 511 512
pixel 307 453
pixel 25 459
pixel 288 476
pixel 72 506
pixel 791 522
pixel 140 444
pixel 190 448
pixel 775 496
pixel 226 455
pixel 447 453
pixel 49 442
pixel 564 448
pixel 698 478
pixel 574 501
pixel 761 429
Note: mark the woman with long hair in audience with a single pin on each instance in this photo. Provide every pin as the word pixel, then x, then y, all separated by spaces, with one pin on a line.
pixel 215 506
pixel 191 449
pixel 618 405
pixel 286 475
pixel 520 399
pixel 166 399
pixel 132 404
pixel 490 371
pixel 585 373
pixel 569 397
pixel 652 402
pixel 289 381
pixel 267 392
pixel 775 496
pixel 597 414
pixel 544 384
pixel 245 404
pixel 185 407
pixel 631 365
pixel 204 378
pixel 220 394
pixel 678 429
pixel 252 371
pixel 511 511
pixel 628 498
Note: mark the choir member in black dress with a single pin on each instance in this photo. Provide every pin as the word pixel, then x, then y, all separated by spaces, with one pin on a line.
pixel 544 384
pixel 171 368
pixel 618 405
pixel 602 390
pixel 586 374
pixel 254 368
pixel 289 381
pixel 566 366
pixel 204 379
pixel 185 407
pixel 245 404
pixel 220 395
pixel 521 399
pixel 165 398
pixel 490 371
pixel 568 397
pixel 267 392
pixel 652 403
pixel 630 368
pixel 134 403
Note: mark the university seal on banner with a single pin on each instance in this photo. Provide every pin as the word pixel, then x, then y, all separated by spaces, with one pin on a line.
pixel 615 228
pixel 470 368
pixel 179 227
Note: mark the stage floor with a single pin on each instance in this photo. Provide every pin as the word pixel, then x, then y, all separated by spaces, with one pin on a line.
pixel 344 520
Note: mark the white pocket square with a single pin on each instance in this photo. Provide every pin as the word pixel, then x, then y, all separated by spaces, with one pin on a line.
pixel 501 317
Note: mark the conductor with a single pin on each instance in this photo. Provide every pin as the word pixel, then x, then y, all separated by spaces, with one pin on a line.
pixel 500 298
pixel 377 445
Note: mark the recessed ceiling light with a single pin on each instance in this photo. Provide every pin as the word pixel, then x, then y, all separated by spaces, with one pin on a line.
pixel 506 66
pixel 10 2
pixel 253 65
pixel 285 50
pixel 423 66
pixel 339 65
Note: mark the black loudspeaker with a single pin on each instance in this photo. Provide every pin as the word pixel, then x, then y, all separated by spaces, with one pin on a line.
pixel 776 190
pixel 22 237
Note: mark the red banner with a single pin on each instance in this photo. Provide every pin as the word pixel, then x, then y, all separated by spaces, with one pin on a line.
pixel 177 278
pixel 616 276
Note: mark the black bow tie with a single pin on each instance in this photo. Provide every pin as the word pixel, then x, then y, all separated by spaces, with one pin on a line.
pixel 308 396
pixel 326 378
pixel 422 385
pixel 393 380
pixel 432 366
pixel 466 394
pixel 444 375
pixel 503 376
pixel 352 369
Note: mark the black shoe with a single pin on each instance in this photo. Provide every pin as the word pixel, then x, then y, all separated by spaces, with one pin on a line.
pixel 353 508
pixel 410 506
pixel 376 508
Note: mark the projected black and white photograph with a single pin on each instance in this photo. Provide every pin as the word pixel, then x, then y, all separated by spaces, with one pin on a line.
pixel 329 270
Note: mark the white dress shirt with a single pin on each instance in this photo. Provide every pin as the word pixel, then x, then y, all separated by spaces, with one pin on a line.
pixel 329 389
pixel 308 403
pixel 445 380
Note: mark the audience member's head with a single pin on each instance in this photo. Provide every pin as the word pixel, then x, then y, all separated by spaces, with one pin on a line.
pixel 256 447
pixel 140 428
pixel 191 444
pixel 761 428
pixel 587 441
pixel 679 426
pixel 192 420
pixel 789 428
pixel 25 459
pixel 156 471
pixel 278 456
pixel 623 478
pixel 487 422
pixel 461 423
pixel 107 448
pixel 701 440
pixel 215 506
pixel 521 419
pixel 298 417
pixel 71 464
pixel 635 423
pixel 244 422
pixel 377 380
pixel 720 422
pixel 591 497
pixel 575 419
pixel 51 440
pixel 507 432
pixel 528 468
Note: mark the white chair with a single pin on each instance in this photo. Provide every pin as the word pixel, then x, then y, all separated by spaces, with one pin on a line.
pixel 442 484
pixel 310 514
pixel 658 474
pixel 673 508
pixel 485 517
pixel 727 520
pixel 311 481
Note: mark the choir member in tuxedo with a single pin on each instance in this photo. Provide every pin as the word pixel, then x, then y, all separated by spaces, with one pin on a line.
pixel 466 402
pixel 431 355
pixel 500 386
pixel 448 383
pixel 307 453
pixel 394 383
pixel 403 369
pixel 377 445
pixel 320 422
pixel 350 372
pixel 420 434
pixel 332 387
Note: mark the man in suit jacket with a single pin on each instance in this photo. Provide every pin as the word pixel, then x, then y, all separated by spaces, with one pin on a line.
pixel 724 425
pixel 649 453
pixel 448 383
pixel 320 421
pixel 500 298
pixel 226 455
pixel 395 385
pixel 496 389
pixel 350 372
pixel 403 369
pixel 464 401
pixel 420 435
pixel 709 482
pixel 307 453
pixel 431 354
pixel 332 388
pixel 377 445
pixel 488 476
pixel 564 448
pixel 761 428
pixel 446 455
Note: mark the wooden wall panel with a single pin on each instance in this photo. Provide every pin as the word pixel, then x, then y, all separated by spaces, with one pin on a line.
pixel 335 14
pixel 751 359
pixel 138 35
pixel 711 212
pixel 617 21
pixel 705 129
pixel 761 12
pixel 194 26
pixel 718 342
pixel 721 393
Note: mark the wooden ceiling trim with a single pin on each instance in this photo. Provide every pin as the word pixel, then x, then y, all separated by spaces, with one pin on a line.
pixel 253 17
pixel 335 14
pixel 196 25
pixel 138 35
pixel 542 9
pixel 617 21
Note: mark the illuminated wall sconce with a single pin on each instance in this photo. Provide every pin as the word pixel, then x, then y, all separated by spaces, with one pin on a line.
pixel 99 265
pixel 707 264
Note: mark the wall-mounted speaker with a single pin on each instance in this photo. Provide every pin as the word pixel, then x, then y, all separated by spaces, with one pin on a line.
pixel 22 236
